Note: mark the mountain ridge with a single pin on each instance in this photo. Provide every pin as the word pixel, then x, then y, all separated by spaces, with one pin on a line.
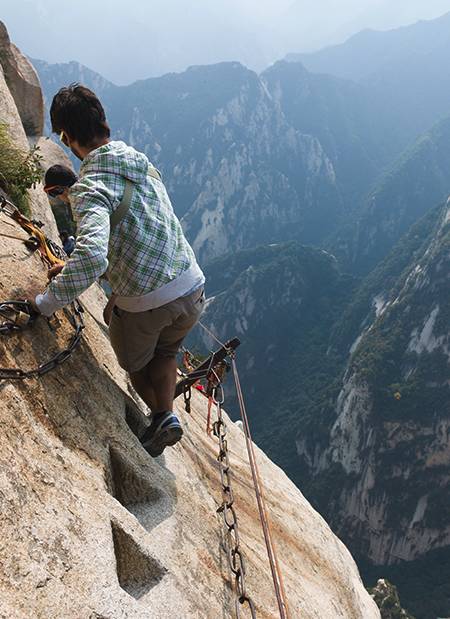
pixel 332 59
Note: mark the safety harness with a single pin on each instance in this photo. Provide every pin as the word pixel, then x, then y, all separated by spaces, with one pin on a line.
pixel 17 315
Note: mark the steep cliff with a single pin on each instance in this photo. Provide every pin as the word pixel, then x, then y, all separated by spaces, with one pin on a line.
pixel 91 526
pixel 23 84
pixel 307 146
pixel 283 301
pixel 264 159
pixel 243 173
pixel 379 465
pixel 340 115
pixel 418 180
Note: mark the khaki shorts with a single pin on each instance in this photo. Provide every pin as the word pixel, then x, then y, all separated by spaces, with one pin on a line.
pixel 137 337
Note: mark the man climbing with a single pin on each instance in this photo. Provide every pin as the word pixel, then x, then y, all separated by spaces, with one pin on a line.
pixel 57 182
pixel 127 230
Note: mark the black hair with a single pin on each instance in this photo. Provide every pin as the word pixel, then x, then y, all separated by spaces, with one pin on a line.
pixel 60 175
pixel 77 111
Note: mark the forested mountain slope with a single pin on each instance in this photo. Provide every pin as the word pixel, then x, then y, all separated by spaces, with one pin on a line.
pixel 376 450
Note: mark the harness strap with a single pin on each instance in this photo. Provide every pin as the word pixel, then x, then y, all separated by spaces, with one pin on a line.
pixel 154 173
pixel 124 205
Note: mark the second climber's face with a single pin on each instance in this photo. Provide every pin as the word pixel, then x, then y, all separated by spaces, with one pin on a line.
pixel 65 196
pixel 58 192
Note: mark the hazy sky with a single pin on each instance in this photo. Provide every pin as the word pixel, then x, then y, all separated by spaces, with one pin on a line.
pixel 134 39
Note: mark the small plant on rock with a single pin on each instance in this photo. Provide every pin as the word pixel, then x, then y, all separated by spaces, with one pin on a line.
pixel 19 170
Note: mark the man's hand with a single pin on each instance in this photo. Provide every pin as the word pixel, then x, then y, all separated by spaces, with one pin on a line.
pixel 54 271
pixel 30 295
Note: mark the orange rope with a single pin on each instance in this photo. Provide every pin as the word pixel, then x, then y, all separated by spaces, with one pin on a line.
pixel 273 560
pixel 208 420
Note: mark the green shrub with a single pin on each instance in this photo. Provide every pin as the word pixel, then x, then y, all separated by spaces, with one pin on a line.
pixel 19 170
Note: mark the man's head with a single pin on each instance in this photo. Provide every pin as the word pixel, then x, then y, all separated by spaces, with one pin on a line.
pixel 58 180
pixel 79 118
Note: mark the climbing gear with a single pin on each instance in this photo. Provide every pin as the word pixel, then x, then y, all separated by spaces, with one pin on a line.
pixel 119 214
pixel 188 359
pixel 234 552
pixel 214 379
pixel 187 394
pixel 124 205
pixel 271 552
pixel 75 316
pixel 20 314
pixel 63 139
pixel 210 333
pixel 235 558
pixel 51 254
pixel 165 432
pixel 213 369
pixel 206 366
pixel 189 362
pixel 11 236
pixel 16 315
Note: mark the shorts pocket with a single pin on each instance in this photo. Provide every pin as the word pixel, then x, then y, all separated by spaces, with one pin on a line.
pixel 200 300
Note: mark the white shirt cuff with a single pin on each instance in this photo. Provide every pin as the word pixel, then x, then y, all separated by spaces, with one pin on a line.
pixel 47 303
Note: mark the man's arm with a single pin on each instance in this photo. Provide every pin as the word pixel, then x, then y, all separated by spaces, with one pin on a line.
pixel 89 259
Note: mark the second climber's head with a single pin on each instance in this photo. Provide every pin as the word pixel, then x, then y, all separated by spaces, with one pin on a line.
pixel 58 180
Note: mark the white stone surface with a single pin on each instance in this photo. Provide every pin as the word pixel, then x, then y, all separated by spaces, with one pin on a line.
pixel 23 84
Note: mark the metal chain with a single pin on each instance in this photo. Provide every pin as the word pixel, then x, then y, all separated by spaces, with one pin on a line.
pixel 234 553
pixel 187 394
pixel 75 316
pixel 19 314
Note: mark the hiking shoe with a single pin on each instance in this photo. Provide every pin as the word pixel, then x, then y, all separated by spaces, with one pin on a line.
pixel 163 432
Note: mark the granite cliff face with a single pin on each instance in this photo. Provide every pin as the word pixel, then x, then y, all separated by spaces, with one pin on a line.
pixel 91 526
pixel 239 173
pixel 286 155
pixel 23 85
pixel 417 181
pixel 379 467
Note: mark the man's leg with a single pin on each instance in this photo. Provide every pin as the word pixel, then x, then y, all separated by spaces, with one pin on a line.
pixel 163 376
pixel 155 383
pixel 141 382
pixel 134 337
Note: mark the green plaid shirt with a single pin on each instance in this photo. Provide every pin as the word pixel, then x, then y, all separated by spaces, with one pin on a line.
pixel 145 251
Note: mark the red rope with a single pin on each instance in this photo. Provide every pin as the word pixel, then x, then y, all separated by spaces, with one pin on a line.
pixel 273 560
